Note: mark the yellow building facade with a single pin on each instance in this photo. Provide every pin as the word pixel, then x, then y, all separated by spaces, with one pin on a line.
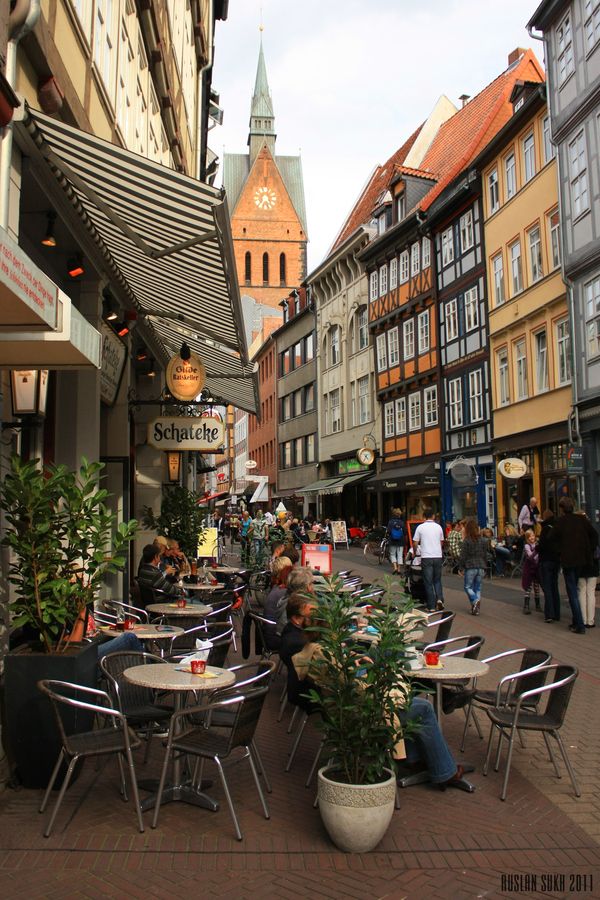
pixel 530 351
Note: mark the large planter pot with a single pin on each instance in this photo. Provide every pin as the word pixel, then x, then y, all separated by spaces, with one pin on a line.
pixel 30 733
pixel 356 816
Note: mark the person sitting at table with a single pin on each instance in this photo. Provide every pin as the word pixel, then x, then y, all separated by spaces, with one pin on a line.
pixel 175 557
pixel 277 550
pixel 301 580
pixel 425 747
pixel 150 576
pixel 275 604
pixel 292 554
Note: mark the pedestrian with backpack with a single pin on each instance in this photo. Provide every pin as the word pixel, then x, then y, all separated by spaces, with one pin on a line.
pixel 396 537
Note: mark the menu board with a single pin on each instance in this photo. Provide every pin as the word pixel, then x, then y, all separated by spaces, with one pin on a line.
pixel 339 534
pixel 114 356
pixel 207 542
pixel 318 557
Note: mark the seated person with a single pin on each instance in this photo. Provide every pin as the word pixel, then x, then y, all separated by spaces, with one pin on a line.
pixel 150 576
pixel 292 554
pixel 277 550
pixel 276 602
pixel 301 580
pixel 175 557
pixel 425 747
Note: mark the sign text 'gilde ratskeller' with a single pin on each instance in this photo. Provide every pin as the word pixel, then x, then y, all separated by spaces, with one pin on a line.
pixel 185 433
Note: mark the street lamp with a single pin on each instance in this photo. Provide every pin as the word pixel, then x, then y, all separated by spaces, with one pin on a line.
pixel 29 392
pixel 174 466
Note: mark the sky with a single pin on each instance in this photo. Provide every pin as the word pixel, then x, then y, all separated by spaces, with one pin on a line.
pixel 351 80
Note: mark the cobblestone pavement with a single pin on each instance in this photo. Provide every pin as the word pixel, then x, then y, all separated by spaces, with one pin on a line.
pixel 541 842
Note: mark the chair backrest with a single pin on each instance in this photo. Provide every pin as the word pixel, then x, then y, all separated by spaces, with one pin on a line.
pixel 135 594
pixel 219 610
pixel 443 621
pixel 266 628
pixel 132 612
pixel 128 696
pixel 249 676
pixel 66 697
pixel 560 690
pixel 247 716
pixel 146 593
pixel 466 645
pixel 533 659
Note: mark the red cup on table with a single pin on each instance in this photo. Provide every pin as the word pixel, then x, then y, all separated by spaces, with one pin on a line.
pixel 368 610
pixel 432 657
pixel 181 602
pixel 198 666
pixel 129 624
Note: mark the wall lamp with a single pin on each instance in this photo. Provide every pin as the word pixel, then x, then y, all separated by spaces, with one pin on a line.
pixel 29 393
pixel 49 240
pixel 75 267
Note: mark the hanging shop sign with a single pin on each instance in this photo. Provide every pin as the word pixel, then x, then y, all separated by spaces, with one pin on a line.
pixel 114 356
pixel 185 433
pixel 185 377
pixel 512 468
pixel 575 460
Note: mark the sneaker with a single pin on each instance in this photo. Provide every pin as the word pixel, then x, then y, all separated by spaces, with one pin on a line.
pixel 576 630
pixel 476 606
pixel 439 605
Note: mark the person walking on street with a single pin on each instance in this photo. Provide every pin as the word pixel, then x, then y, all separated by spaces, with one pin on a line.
pixel 246 531
pixel 396 533
pixel 473 559
pixel 586 586
pixel 455 539
pixel 530 577
pixel 549 568
pixel 575 539
pixel 429 537
pixel 528 515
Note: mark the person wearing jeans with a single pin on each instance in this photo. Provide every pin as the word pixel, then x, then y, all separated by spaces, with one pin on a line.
pixel 127 641
pixel 575 539
pixel 549 568
pixel 473 559
pixel 429 537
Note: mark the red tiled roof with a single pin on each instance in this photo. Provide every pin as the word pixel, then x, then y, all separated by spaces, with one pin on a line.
pixel 378 183
pixel 416 173
pixel 467 132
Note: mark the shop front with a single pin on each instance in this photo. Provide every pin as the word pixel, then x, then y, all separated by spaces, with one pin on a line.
pixel 411 488
pixel 469 490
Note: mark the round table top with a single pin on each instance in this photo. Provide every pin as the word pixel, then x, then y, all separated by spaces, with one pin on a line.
pixel 453 667
pixel 144 632
pixel 171 609
pixel 166 677
pixel 224 570
pixel 203 587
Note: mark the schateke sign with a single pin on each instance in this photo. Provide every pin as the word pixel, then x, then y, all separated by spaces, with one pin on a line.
pixel 184 433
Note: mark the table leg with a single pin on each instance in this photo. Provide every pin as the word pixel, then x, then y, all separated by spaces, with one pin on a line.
pixel 438 702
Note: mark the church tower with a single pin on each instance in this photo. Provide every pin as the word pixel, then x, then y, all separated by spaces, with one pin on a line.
pixel 265 193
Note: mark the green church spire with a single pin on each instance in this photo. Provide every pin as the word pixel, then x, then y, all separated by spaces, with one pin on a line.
pixel 262 117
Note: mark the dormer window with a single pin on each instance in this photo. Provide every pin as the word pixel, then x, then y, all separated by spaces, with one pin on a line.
pixel 400 207
pixel 381 224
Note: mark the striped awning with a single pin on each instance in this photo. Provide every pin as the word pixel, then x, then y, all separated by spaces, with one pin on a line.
pixel 166 238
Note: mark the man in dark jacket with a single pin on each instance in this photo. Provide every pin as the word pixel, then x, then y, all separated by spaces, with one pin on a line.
pixel 549 557
pixel 574 538
pixel 150 576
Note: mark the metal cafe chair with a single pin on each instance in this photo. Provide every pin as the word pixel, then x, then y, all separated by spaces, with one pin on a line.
pixel 127 610
pixel 507 719
pixel 116 739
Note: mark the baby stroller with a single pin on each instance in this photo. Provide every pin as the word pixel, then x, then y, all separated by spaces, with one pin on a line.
pixel 413 576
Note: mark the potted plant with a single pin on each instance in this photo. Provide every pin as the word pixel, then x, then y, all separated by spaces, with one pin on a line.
pixel 361 691
pixel 180 518
pixel 63 541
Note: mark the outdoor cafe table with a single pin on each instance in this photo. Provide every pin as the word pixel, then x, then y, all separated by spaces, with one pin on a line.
pixel 171 609
pixel 144 632
pixel 452 668
pixel 166 677
pixel 204 588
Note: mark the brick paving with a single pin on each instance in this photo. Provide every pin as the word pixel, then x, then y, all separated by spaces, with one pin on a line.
pixel 439 844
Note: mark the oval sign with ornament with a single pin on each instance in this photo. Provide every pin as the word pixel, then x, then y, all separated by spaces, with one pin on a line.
pixel 185 377
pixel 512 468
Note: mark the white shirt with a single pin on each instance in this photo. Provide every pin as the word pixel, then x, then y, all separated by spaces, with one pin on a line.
pixel 429 536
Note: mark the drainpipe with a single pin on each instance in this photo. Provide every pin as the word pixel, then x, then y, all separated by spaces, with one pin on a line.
pixel 21 21
pixel 210 53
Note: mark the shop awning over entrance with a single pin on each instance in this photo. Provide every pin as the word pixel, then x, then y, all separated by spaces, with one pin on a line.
pixel 333 485
pixel 404 478
pixel 166 237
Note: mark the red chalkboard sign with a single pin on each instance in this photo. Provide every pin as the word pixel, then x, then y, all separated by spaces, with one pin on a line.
pixel 318 557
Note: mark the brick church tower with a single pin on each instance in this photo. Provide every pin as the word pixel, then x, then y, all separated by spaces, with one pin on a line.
pixel 265 193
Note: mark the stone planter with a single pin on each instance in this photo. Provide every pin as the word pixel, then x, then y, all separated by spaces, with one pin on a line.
pixel 356 816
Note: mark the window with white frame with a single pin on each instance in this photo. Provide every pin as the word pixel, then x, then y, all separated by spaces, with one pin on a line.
pixel 393 273
pixel 503 377
pixel 401 415
pixel 414 412
pixel 104 40
pixel 383 279
pixel 563 351
pixel 431 405
pixel 404 266
pixel 529 157
pixel 408 338
pixel 554 225
pixel 334 345
pixel 310 448
pixel 498 270
pixel 466 231
pixel 578 175
pixel 565 62
pixel 451 313
pixel 393 347
pixel 591 9
pixel 373 294
pixel 426 253
pixel 388 419
pixel 401 207
pixel 447 247
pixel 521 366
pixel 455 403
pixel 493 194
pixel 414 259
pixel 549 149
pixel 511 176
pixel 299 451
pixel 381 224
pixel 592 316
pixel 83 8
pixel 423 331
pixel 471 309
pixel 381 346
pixel 335 409
pixel 516 267
pixel 476 395
pixel 361 329
pixel 364 404
pixel 535 253
pixel 541 360
pixel 353 405
pixel 124 103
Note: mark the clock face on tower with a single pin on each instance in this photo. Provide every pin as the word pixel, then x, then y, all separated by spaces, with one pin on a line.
pixel 265 198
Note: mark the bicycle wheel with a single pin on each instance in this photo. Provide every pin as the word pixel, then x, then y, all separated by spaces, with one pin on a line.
pixel 371 552
pixel 384 551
